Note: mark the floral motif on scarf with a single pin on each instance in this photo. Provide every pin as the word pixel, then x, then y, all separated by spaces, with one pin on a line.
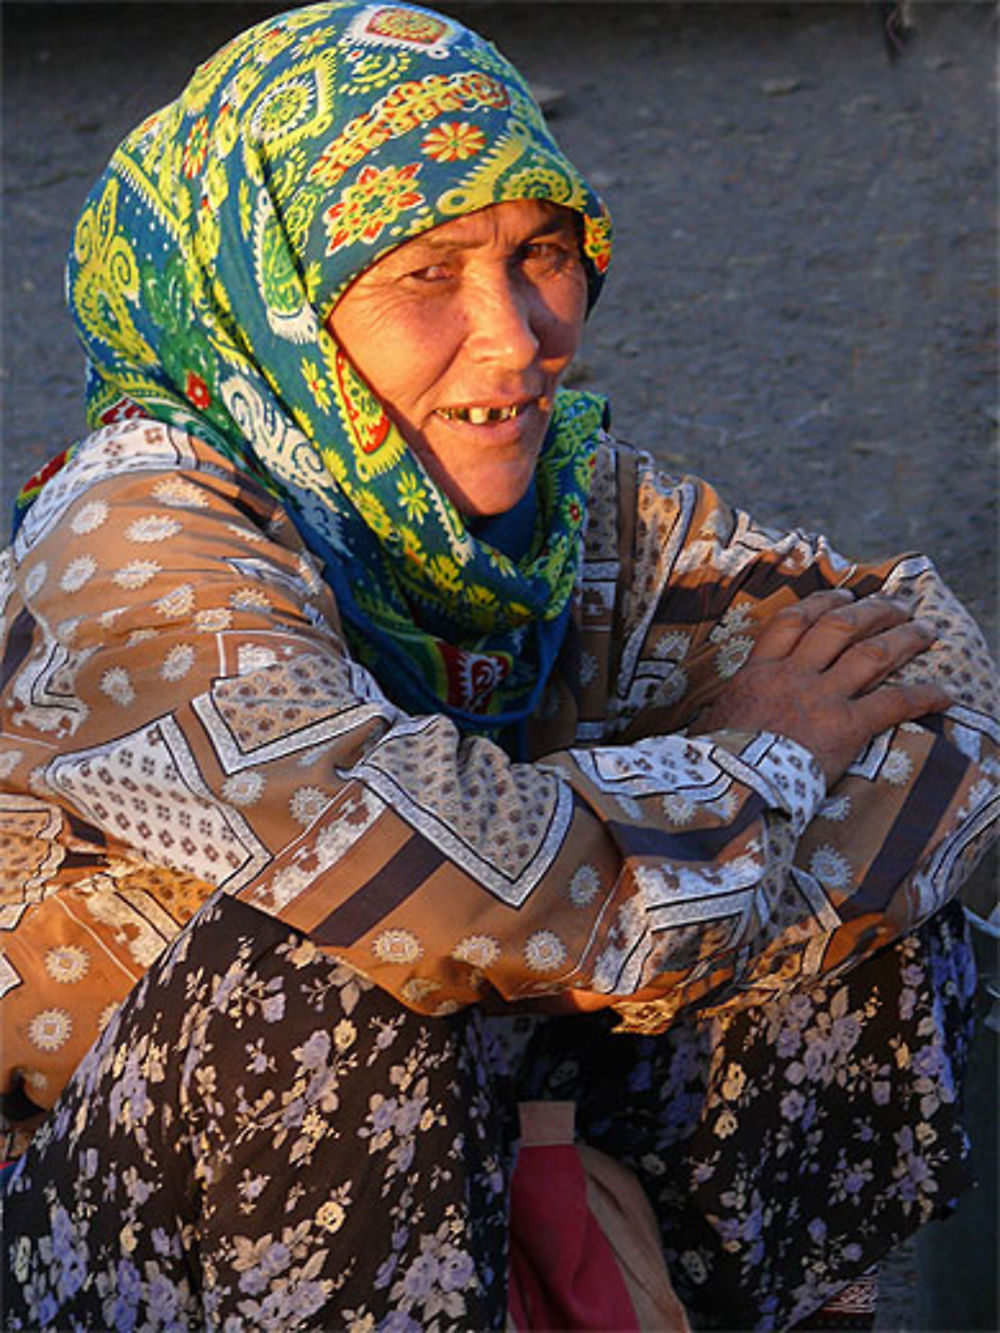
pixel 215 245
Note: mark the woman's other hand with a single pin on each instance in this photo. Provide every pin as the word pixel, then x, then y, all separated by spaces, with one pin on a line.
pixel 819 674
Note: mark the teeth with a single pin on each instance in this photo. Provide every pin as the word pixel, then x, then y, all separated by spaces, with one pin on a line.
pixel 480 416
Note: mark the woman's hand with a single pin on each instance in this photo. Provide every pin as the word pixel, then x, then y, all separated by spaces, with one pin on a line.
pixel 818 675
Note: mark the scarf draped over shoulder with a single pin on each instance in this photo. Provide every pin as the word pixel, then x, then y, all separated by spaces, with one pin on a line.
pixel 213 248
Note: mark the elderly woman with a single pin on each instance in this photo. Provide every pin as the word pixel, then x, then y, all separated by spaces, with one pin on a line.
pixel 359 690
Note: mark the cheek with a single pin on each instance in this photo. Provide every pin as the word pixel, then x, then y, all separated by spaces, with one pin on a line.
pixel 400 357
pixel 409 369
pixel 567 310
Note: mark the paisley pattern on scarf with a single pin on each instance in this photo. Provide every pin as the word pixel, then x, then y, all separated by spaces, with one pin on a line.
pixel 219 239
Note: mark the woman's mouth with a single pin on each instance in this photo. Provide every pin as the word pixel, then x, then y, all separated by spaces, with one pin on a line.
pixel 483 416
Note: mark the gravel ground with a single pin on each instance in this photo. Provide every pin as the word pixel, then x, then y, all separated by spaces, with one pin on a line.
pixel 802 305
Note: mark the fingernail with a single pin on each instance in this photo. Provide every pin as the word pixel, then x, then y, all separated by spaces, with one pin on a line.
pixel 925 627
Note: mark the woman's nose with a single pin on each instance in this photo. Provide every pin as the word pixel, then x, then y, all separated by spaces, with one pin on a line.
pixel 504 324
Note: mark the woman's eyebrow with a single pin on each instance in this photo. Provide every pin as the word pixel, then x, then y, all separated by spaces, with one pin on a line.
pixel 438 246
pixel 435 246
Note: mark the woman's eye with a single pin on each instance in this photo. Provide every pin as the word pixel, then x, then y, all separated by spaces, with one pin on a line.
pixel 549 256
pixel 430 273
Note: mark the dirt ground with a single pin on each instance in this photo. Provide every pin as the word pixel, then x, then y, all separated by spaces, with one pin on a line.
pixel 802 305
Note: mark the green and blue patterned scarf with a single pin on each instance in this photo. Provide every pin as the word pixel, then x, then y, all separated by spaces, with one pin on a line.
pixel 216 243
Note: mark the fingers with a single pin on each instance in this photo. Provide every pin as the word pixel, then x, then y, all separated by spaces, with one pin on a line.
pixel 865 640
pixel 785 630
pixel 889 705
pixel 866 663
pixel 844 626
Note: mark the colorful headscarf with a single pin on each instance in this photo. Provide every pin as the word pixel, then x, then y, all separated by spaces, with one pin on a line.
pixel 218 240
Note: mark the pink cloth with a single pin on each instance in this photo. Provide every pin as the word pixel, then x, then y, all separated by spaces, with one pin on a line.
pixel 584 1248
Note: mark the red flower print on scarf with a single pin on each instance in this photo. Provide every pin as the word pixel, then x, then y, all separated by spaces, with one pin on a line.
pixel 196 390
pixel 372 203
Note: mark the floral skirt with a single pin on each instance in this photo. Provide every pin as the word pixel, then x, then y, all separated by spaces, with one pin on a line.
pixel 261 1139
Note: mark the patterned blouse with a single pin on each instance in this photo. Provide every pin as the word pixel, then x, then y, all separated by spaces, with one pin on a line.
pixel 179 715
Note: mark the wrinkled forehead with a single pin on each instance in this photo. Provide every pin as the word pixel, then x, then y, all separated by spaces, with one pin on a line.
pixel 339 131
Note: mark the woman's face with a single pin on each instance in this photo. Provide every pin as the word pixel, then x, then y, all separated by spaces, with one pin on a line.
pixel 463 333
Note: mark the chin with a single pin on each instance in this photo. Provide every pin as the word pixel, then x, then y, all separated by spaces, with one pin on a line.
pixel 488 500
